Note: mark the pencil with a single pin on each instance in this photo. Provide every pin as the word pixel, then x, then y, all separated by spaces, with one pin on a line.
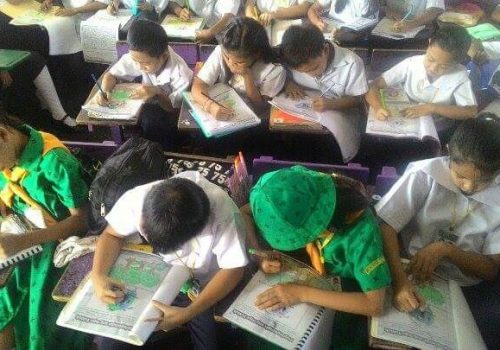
pixel 408 13
pixel 99 86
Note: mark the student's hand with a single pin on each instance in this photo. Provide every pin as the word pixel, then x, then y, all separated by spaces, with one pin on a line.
pixel 146 6
pixel 266 18
pixel 220 112
pixel 204 36
pixel 270 265
pixel 10 244
pixel 395 16
pixel 113 7
pixel 320 24
pixel 172 317
pixel 418 111
pixel 403 26
pixel 279 297
pixel 102 99
pixel 184 14
pixel 5 79
pixel 382 114
pixel 406 298
pixel 144 92
pixel 46 5
pixel 294 91
pixel 239 70
pixel 321 104
pixel 424 262
pixel 108 290
pixel 66 12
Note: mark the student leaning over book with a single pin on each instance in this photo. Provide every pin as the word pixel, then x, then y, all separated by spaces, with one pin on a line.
pixel 410 14
pixel 436 80
pixel 447 213
pixel 39 174
pixel 337 73
pixel 297 208
pixel 265 11
pixel 73 8
pixel 216 12
pixel 189 222
pixel 165 75
pixel 141 9
pixel 246 62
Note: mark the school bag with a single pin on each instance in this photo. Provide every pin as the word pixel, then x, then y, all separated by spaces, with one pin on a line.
pixel 137 162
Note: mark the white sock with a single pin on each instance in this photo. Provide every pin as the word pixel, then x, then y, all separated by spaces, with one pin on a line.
pixel 47 93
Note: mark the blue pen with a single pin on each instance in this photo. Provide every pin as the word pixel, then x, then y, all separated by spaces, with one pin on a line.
pixel 408 13
pixel 99 86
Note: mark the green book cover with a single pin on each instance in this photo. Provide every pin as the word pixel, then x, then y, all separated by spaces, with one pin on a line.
pixel 11 58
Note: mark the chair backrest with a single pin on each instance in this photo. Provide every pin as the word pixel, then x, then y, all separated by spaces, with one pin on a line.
pixel 384 59
pixel 363 53
pixel 387 177
pixel 121 48
pixel 205 51
pixel 188 51
pixel 265 164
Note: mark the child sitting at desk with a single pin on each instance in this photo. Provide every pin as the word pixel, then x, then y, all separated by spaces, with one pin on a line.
pixel 265 11
pixel 165 75
pixel 337 73
pixel 245 61
pixel 447 213
pixel 39 176
pixel 410 14
pixel 216 12
pixel 73 8
pixel 146 9
pixel 189 222
pixel 436 80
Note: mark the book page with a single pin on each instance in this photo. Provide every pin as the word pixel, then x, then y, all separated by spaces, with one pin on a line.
pixel 385 27
pixel 121 106
pixel 426 329
pixel 177 28
pixel 298 108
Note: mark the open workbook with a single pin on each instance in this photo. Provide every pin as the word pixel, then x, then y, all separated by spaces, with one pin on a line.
pixel 177 28
pixel 302 326
pixel 243 117
pixel 444 323
pixel 361 24
pixel 301 108
pixel 385 28
pixel 146 277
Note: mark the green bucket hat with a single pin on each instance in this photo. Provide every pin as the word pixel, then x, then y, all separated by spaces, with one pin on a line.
pixel 293 206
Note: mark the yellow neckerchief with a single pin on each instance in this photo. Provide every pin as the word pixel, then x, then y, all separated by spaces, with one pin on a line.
pixel 315 249
pixel 14 177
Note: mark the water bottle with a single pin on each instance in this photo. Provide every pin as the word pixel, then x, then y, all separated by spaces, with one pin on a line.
pixel 135 7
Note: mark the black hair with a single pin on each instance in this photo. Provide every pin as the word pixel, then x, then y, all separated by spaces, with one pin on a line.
pixel 453 39
pixel 148 37
pixel 10 121
pixel 300 44
pixel 246 37
pixel 351 197
pixel 477 141
pixel 174 211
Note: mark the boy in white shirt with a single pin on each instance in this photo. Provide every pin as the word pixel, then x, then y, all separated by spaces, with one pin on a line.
pixel 189 222
pixel 447 213
pixel 436 80
pixel 217 14
pixel 336 73
pixel 165 75
pixel 147 9
pixel 266 11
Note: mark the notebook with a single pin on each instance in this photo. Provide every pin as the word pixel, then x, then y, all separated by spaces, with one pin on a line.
pixel 298 108
pixel 384 28
pixel 11 58
pixel 18 225
pixel 282 121
pixel 121 106
pixel 177 28
pixel 359 25
pixel 243 117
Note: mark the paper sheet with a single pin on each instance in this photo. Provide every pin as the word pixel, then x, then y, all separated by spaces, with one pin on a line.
pixel 384 28
pixel 121 106
pixel 176 28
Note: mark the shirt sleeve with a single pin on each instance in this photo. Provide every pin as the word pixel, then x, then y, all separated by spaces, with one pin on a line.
pixel 125 68
pixel 66 176
pixel 464 95
pixel 356 84
pixel 398 74
pixel 159 5
pixel 227 6
pixel 404 199
pixel 435 3
pixel 211 70
pixel 491 244
pixel 123 217
pixel 273 82
pixel 180 82
pixel 325 3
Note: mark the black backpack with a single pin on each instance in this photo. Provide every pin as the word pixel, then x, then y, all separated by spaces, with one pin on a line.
pixel 137 162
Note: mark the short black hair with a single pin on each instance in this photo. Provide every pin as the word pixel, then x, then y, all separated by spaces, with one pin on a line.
pixel 350 198
pixel 10 121
pixel 300 44
pixel 148 37
pixel 453 39
pixel 174 211
pixel 247 38
pixel 477 141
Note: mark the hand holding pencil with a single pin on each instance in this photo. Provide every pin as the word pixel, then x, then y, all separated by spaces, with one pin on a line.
pixel 269 261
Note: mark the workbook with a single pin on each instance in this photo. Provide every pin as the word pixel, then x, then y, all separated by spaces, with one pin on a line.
pixel 444 323
pixel 359 25
pixel 282 121
pixel 146 277
pixel 302 326
pixel 301 108
pixel 9 59
pixel 243 117
pixel 120 107
pixel 177 28
pixel 385 28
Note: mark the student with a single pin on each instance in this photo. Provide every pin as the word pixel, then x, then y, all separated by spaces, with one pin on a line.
pixel 143 9
pixel 190 222
pixel 336 73
pixel 165 75
pixel 297 208
pixel 27 82
pixel 52 180
pixel 436 80
pixel 345 11
pixel 72 8
pixel 265 11
pixel 216 12
pixel 245 61
pixel 410 14
pixel 447 213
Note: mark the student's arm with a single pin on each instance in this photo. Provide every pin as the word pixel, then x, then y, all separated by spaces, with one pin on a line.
pixel 314 15
pixel 108 83
pixel 148 92
pixel 292 12
pixel 321 104
pixel 285 295
pixel 251 90
pixel 90 7
pixel 219 286
pixel 181 12
pixel 373 98
pixel 206 35
pixel 495 16
pixel 425 18
pixel 250 10
pixel 452 112
pixel 200 95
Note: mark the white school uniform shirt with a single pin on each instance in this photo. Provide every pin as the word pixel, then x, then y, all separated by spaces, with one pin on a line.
pixel 159 5
pixel 415 7
pixel 269 78
pixel 421 204
pixel 344 76
pixel 453 88
pixel 353 9
pixel 220 244
pixel 212 10
pixel 174 79
pixel 273 5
